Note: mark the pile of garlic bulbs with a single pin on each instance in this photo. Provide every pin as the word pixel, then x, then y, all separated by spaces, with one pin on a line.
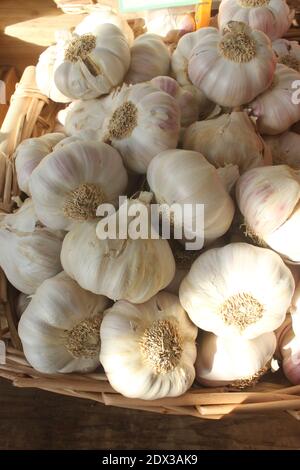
pixel 206 124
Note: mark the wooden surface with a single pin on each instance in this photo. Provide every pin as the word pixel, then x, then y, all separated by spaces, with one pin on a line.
pixel 31 419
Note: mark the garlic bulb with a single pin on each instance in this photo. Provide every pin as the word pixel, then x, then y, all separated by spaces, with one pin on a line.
pixel 143 122
pixel 233 361
pixel 273 17
pixel 179 64
pixel 290 353
pixel 60 329
pixel 295 310
pixel 69 184
pixel 285 149
pixel 288 53
pixel 216 140
pixel 82 115
pixel 91 64
pixel 29 253
pixel 189 107
pixel 181 177
pixel 242 57
pixel 46 66
pixel 238 290
pixel 104 14
pixel 119 268
pixel 275 109
pixel 162 21
pixel 30 153
pixel 148 350
pixel 150 57
pixel 268 198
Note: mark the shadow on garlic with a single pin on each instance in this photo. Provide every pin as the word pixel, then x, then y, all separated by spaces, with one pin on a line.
pixel 239 290
pixel 71 182
pixel 29 252
pixel 148 350
pixel 60 329
pixel 235 362
pixel 285 149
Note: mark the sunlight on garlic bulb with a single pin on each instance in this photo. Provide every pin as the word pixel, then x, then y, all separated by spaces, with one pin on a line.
pixel 288 53
pixel 69 184
pixel 91 64
pixel 30 153
pixel 104 14
pixel 29 253
pixel 239 290
pixel 242 57
pixel 277 108
pixel 144 121
pixel 121 267
pixel 272 17
pixel 216 140
pixel 60 329
pixel 150 57
pixel 182 176
pixel 235 361
pixel 179 65
pixel 189 107
pixel 285 149
pixel 269 200
pixel 148 350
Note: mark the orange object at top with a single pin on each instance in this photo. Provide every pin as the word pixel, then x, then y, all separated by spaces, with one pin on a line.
pixel 203 13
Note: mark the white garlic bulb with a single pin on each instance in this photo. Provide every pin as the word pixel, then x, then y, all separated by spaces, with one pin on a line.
pixel 60 329
pixel 242 57
pixel 189 107
pixel 30 153
pixel 150 57
pixel 216 140
pixel 104 14
pixel 183 176
pixel 273 17
pixel 179 63
pixel 288 53
pixel 71 182
pixel 238 290
pixel 119 268
pixel 91 64
pixel 144 121
pixel 163 21
pixel 148 350
pixel 233 361
pixel 268 198
pixel 285 149
pixel 29 253
pixel 275 109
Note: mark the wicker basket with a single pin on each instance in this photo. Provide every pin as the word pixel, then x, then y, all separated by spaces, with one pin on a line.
pixel 32 114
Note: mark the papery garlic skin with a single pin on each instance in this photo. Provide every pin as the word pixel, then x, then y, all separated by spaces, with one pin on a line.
pixel 150 58
pixel 233 361
pixel 105 15
pixel 133 270
pixel 179 66
pixel 29 253
pixel 91 64
pixel 272 17
pixel 285 149
pixel 132 355
pixel 216 140
pixel 239 290
pixel 189 107
pixel 70 183
pixel 288 53
pixel 232 66
pixel 30 153
pixel 276 109
pixel 143 122
pixel 60 329
pixel 186 177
